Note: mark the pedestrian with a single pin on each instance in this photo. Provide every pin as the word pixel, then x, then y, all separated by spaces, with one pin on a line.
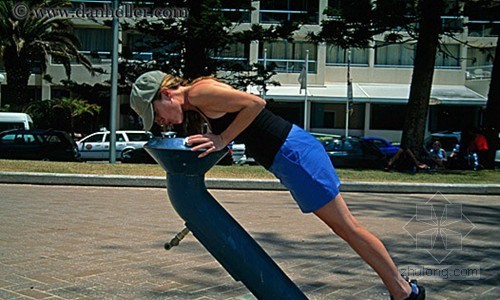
pixel 478 146
pixel 438 154
pixel 294 156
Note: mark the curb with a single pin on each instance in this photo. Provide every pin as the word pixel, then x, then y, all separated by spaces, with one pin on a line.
pixel 241 184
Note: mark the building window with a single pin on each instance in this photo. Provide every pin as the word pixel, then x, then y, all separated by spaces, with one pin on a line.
pixel 448 57
pixel 236 11
pixel 290 111
pixel 148 47
pixel 483 28
pixel 332 115
pixel 303 11
pixel 335 55
pixel 58 93
pixel 328 119
pixel 479 63
pixel 480 56
pixel 97 43
pixel 453 118
pixel 94 39
pixel 403 55
pixel 235 56
pixel 289 57
pixel 387 116
pixel 395 55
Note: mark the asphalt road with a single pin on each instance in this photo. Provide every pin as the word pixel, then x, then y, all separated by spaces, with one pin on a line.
pixel 69 242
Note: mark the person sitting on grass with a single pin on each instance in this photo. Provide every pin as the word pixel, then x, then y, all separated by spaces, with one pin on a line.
pixel 405 161
pixel 438 154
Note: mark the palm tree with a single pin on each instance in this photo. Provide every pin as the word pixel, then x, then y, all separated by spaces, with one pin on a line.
pixel 29 40
pixel 76 108
pixel 72 107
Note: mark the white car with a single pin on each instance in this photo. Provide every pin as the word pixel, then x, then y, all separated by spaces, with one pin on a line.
pixel 96 145
pixel 239 155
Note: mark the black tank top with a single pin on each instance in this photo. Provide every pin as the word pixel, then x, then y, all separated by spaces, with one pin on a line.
pixel 263 138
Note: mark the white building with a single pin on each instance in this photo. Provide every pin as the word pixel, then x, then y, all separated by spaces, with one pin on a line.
pixel 381 76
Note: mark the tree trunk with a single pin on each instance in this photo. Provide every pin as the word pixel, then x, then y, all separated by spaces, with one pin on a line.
pixel 18 72
pixel 492 119
pixel 196 50
pixel 423 71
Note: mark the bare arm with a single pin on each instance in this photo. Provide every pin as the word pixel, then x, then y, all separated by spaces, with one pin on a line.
pixel 217 99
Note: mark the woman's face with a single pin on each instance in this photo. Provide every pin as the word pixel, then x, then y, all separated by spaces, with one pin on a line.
pixel 168 111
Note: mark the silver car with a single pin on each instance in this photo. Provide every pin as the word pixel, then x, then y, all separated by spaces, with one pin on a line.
pixel 96 145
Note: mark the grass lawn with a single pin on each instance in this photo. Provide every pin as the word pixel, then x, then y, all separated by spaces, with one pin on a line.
pixel 445 176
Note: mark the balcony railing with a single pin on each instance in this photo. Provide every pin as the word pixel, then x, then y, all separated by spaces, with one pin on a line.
pixel 268 16
pixel 483 28
pixel 243 62
pixel 236 15
pixel 290 65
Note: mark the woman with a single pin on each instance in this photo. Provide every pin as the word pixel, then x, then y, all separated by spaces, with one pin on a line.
pixel 290 153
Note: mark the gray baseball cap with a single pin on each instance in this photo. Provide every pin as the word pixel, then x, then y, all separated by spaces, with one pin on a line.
pixel 143 93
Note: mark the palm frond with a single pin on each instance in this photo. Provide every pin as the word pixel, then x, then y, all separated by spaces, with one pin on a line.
pixel 36 38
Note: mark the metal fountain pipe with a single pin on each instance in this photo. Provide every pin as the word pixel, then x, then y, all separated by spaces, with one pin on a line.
pixel 212 225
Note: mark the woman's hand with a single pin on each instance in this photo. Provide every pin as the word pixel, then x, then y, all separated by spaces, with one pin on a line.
pixel 210 142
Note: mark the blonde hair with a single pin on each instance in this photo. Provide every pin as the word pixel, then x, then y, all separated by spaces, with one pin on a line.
pixel 193 121
pixel 173 82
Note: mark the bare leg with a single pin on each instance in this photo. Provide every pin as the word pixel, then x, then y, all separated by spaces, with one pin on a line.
pixel 337 216
pixel 395 157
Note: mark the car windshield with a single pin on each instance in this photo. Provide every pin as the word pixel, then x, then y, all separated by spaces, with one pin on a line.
pixel 332 144
pixel 379 143
pixel 138 137
pixel 94 139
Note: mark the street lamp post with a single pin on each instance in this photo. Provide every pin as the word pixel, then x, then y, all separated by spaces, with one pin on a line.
pixel 114 87
pixel 348 106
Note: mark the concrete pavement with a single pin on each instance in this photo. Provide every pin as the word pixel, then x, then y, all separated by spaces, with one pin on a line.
pixel 76 242
pixel 243 184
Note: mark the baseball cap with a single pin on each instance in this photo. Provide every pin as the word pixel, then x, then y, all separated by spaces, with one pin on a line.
pixel 143 93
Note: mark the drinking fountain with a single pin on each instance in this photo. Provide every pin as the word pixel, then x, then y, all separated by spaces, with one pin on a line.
pixel 212 225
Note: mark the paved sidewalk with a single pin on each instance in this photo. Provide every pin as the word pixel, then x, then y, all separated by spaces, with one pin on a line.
pixel 70 242
pixel 243 184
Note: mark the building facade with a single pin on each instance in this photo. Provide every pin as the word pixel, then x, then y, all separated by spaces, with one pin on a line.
pixel 381 76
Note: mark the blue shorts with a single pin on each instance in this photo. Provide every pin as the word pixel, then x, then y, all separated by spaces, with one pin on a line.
pixel 304 168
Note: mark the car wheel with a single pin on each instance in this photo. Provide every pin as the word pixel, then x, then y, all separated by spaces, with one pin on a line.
pixel 126 152
pixel 45 159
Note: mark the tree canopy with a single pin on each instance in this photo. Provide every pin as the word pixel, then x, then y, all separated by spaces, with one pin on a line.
pixel 28 42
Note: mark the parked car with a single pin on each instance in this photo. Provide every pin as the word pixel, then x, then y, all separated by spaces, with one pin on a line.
pixel 354 152
pixel 14 120
pixel 38 145
pixel 96 145
pixel 138 156
pixel 384 145
pixel 240 156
